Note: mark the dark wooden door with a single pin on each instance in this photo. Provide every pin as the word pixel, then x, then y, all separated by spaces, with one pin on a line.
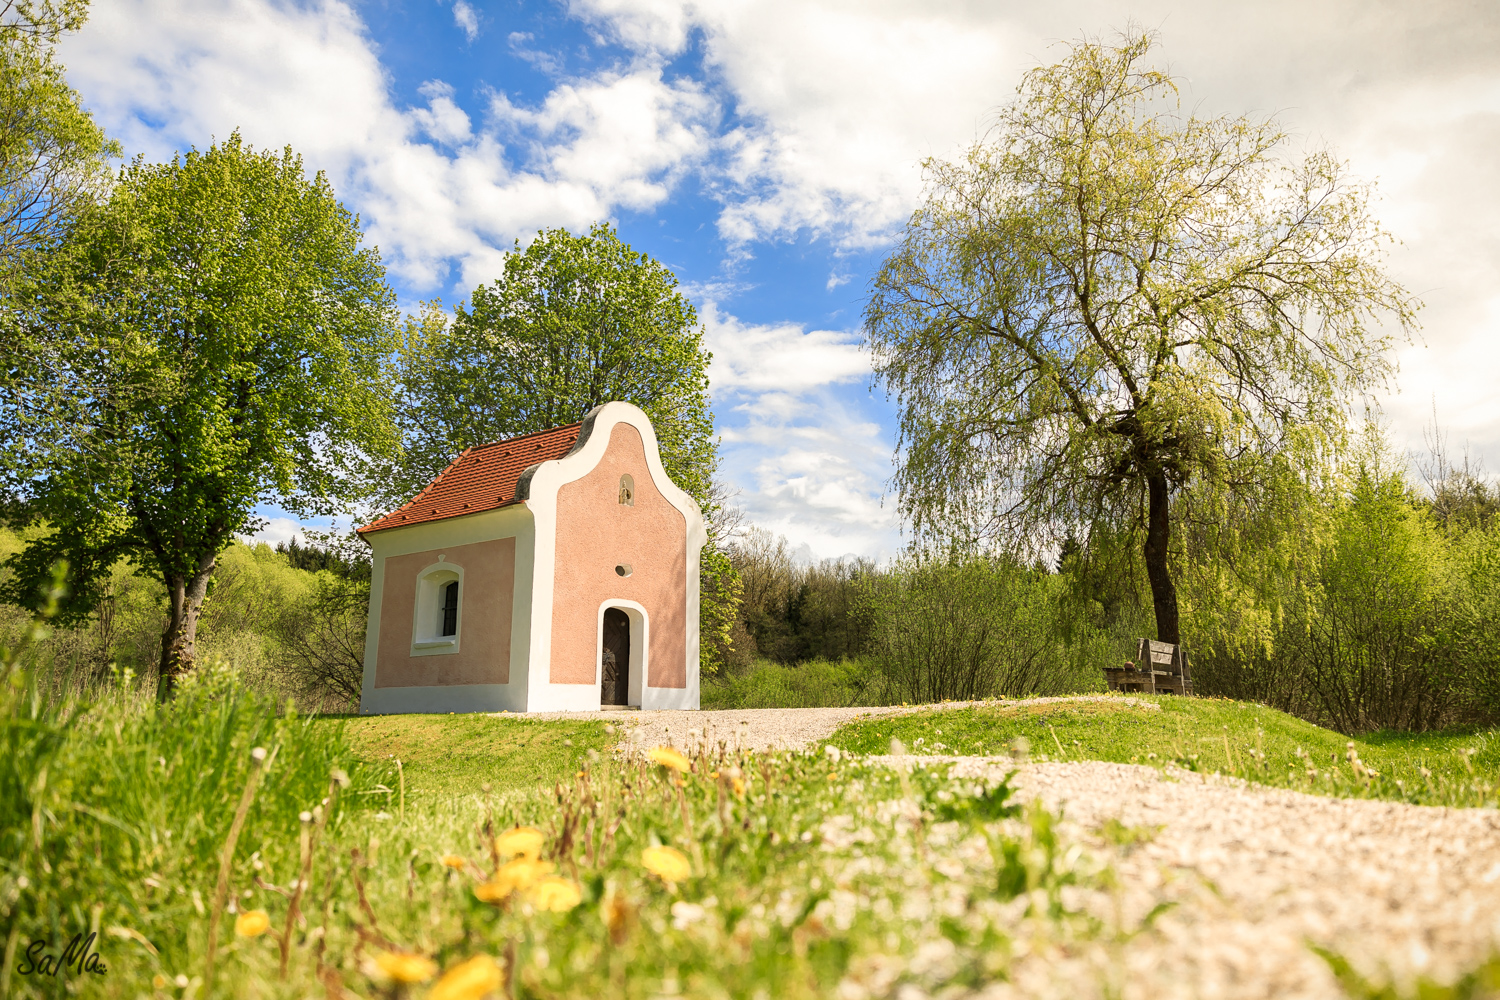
pixel 615 689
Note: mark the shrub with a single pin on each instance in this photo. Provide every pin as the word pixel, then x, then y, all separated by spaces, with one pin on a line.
pixel 974 628
pixel 814 684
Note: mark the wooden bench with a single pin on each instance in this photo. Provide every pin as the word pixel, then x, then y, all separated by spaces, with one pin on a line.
pixel 1159 668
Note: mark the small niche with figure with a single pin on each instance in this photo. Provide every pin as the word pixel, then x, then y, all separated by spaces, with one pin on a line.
pixel 627 491
pixel 615 684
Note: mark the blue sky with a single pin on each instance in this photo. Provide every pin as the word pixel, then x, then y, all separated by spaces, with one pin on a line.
pixel 767 151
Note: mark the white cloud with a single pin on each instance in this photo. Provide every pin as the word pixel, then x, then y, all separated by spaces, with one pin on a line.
pixel 838 101
pixel 434 192
pixel 812 468
pixel 778 357
pixel 276 531
pixel 466 18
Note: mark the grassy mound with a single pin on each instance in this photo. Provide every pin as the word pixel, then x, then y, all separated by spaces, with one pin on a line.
pixel 1460 768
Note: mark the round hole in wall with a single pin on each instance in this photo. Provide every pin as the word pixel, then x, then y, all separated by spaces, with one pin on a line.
pixel 624 569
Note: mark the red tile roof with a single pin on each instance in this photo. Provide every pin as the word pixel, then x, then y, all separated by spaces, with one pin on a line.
pixel 482 478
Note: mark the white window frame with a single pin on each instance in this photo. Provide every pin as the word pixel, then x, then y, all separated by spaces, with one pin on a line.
pixel 427 610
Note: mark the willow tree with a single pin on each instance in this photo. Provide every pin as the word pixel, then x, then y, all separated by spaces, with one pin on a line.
pixel 1109 303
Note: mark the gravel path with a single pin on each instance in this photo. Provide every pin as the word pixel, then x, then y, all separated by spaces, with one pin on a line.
pixel 1254 874
pixel 778 728
pixel 1257 874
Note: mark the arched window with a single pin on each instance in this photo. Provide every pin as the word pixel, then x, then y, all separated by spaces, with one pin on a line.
pixel 627 491
pixel 438 617
pixel 450 609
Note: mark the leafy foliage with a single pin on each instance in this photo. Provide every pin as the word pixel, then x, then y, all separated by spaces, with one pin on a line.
pixel 572 322
pixel 968 628
pixel 236 327
pixel 53 168
pixel 1107 302
pixel 1351 601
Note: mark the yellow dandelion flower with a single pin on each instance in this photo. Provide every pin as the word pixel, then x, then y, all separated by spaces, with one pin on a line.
pixel 478 977
pixel 159 981
pixel 522 841
pixel 406 968
pixel 669 758
pixel 513 876
pixel 454 861
pixel 491 892
pixel 252 923
pixel 556 894
pixel 667 863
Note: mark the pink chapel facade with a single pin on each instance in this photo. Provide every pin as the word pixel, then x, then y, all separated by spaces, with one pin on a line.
pixel 552 572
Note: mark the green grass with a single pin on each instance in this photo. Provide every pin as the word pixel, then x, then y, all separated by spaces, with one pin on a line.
pixel 1206 734
pixel 813 684
pixel 447 755
pixel 808 873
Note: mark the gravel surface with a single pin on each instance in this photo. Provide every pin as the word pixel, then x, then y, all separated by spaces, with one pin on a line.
pixel 777 728
pixel 1253 875
pixel 1257 874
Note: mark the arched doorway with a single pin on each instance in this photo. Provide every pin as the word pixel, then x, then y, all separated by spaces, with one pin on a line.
pixel 614 687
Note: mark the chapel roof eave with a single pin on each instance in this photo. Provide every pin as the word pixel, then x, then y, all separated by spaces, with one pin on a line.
pixel 480 479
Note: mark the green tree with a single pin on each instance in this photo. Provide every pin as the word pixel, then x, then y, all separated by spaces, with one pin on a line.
pixel 236 290
pixel 52 154
pixel 1108 301
pixel 53 165
pixel 572 322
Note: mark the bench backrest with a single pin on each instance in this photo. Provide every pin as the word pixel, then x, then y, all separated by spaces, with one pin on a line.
pixel 1163 656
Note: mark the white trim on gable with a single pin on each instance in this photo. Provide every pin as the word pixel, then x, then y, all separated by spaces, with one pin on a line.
pixel 538 489
pixel 533 523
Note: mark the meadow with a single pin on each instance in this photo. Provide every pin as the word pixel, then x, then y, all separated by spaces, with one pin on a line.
pixel 218 846
pixel 219 849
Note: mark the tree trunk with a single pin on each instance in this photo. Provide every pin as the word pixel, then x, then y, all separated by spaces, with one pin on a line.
pixel 1158 537
pixel 179 644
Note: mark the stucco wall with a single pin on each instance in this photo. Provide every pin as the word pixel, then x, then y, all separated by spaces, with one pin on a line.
pixel 595 533
pixel 488 595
